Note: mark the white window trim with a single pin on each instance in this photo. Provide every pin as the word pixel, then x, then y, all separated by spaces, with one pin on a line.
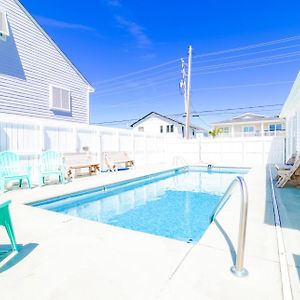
pixel 4 33
pixel 51 99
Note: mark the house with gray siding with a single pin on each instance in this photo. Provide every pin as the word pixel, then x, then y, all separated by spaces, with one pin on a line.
pixel 36 77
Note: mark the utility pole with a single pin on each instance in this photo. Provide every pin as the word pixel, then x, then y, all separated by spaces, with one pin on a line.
pixel 188 95
pixel 182 84
pixel 185 86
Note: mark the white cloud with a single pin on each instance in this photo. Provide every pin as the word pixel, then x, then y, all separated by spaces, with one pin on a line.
pixel 136 31
pixel 115 3
pixel 62 25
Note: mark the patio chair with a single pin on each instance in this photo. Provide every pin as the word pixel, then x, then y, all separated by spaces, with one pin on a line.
pixel 281 169
pixel 10 169
pixel 286 175
pixel 51 164
pixel 115 159
pixel 5 221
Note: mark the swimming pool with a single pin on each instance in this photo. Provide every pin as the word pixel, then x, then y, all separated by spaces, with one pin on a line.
pixel 176 204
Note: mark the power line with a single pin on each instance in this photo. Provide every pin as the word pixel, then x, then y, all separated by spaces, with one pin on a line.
pixel 284 40
pixel 143 100
pixel 236 108
pixel 163 80
pixel 140 77
pixel 235 112
pixel 113 85
pixel 253 60
pixel 245 54
pixel 253 46
pixel 199 112
pixel 247 67
pixel 139 71
pixel 243 85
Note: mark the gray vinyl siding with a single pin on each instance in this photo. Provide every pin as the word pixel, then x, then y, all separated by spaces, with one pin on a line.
pixel 29 64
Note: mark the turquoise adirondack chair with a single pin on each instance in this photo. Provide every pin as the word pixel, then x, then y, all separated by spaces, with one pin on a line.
pixel 10 169
pixel 51 164
pixel 5 221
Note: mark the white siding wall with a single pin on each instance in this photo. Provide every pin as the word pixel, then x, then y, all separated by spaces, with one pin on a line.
pixel 291 111
pixel 152 125
pixel 29 63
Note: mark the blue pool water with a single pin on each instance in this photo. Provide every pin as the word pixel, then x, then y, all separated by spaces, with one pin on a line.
pixel 175 204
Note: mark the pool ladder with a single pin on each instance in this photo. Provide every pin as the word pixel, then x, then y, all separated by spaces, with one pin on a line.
pixel 238 269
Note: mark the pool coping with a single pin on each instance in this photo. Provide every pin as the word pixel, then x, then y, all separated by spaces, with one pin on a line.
pixel 77 185
pixel 285 277
pixel 181 264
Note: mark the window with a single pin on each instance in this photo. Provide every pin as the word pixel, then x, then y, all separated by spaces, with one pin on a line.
pixel 168 128
pixel 273 127
pixel 226 129
pixel 193 132
pixel 172 128
pixel 4 31
pixel 248 129
pixel 141 129
pixel 182 130
pixel 60 99
pixel 161 129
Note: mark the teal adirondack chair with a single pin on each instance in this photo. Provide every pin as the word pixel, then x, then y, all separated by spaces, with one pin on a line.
pixel 5 221
pixel 51 164
pixel 10 169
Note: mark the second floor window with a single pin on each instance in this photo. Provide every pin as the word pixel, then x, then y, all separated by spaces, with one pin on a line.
pixel 226 130
pixel 60 99
pixel 170 128
pixel 161 129
pixel 248 129
pixel 273 127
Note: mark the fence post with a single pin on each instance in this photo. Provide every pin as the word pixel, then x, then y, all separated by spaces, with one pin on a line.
pixel 41 138
pixel 74 138
pixel 145 148
pixel 118 140
pixel 133 146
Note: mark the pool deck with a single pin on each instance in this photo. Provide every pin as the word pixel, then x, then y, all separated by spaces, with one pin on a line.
pixel 64 257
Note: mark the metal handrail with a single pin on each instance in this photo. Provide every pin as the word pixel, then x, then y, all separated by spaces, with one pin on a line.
pixel 238 269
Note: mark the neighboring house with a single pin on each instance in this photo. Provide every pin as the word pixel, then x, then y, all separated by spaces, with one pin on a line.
pixel 291 112
pixel 155 123
pixel 250 124
pixel 36 77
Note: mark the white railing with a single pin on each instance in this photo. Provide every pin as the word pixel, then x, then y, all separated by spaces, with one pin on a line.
pixel 251 134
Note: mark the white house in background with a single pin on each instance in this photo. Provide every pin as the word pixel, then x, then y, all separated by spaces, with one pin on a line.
pixel 155 123
pixel 250 124
pixel 36 77
pixel 291 112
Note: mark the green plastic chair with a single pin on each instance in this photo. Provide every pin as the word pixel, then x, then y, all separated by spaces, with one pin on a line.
pixel 10 169
pixel 51 164
pixel 5 221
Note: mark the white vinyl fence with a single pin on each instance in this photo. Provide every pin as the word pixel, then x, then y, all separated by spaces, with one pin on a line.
pixel 247 151
pixel 30 136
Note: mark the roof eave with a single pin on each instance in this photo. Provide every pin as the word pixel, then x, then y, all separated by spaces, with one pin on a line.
pixel 91 89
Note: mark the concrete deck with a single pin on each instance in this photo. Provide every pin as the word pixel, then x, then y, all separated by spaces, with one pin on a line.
pixel 63 257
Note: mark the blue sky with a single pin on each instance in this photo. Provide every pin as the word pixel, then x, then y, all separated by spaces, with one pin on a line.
pixel 109 38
